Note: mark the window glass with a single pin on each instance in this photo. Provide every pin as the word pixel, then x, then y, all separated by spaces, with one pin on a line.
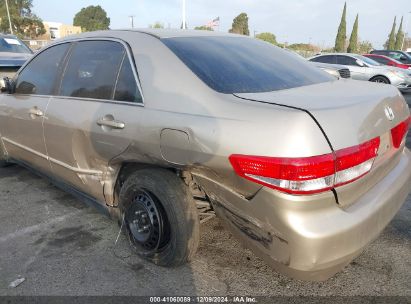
pixel 127 89
pixel 244 65
pixel 92 69
pixel 13 45
pixel 346 60
pixel 40 75
pixel 380 60
pixel 324 59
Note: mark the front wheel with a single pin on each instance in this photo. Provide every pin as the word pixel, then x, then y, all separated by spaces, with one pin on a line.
pixel 380 79
pixel 160 217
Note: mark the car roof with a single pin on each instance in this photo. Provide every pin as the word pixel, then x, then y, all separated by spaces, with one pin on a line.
pixel 7 36
pixel 158 33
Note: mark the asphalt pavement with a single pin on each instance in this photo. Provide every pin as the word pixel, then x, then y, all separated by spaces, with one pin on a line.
pixel 62 247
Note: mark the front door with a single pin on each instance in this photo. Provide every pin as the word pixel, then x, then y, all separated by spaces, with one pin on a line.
pixel 95 115
pixel 22 114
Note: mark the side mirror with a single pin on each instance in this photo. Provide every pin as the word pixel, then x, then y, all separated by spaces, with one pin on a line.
pixel 6 85
pixel 359 63
pixel 403 58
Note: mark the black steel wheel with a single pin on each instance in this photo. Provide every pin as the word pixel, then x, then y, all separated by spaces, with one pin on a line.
pixel 160 216
pixel 147 222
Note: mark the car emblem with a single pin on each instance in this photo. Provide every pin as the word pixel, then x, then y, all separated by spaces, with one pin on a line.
pixel 389 113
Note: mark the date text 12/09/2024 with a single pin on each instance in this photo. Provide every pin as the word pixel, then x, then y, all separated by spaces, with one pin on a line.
pixel 203 299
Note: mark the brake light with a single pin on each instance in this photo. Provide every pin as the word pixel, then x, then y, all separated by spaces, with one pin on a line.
pixel 308 175
pixel 398 132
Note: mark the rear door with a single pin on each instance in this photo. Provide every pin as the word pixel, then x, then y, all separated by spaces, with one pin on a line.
pixel 22 113
pixel 95 114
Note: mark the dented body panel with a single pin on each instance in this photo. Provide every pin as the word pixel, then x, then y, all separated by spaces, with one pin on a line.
pixel 184 125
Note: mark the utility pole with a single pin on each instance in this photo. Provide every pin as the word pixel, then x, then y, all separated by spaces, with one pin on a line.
pixel 132 20
pixel 8 15
pixel 405 31
pixel 184 27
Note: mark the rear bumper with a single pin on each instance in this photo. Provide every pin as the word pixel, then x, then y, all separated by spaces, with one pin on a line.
pixel 311 237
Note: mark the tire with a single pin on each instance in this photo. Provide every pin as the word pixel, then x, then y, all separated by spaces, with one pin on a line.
pixel 380 79
pixel 160 217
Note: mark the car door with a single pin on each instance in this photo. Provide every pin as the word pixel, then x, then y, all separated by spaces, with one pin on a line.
pixel 357 72
pixel 22 113
pixel 95 115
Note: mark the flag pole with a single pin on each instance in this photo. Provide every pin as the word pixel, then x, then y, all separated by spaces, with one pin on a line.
pixel 184 15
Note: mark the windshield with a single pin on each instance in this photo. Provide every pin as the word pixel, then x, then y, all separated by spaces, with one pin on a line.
pixel 244 65
pixel 13 45
pixel 367 60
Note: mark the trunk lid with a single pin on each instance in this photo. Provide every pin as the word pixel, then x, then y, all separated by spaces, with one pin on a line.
pixel 350 113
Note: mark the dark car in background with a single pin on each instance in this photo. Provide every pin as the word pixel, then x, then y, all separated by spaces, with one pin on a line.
pixel 13 54
pixel 401 56
pixel 388 61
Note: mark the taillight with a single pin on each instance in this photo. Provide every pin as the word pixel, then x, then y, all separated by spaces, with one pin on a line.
pixel 399 131
pixel 308 174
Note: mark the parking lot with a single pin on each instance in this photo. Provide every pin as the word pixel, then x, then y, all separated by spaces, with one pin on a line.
pixel 62 247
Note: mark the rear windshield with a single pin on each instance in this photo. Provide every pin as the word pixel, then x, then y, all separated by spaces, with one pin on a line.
pixel 13 45
pixel 244 65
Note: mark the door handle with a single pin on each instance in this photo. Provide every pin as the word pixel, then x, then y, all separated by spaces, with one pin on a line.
pixel 36 112
pixel 114 124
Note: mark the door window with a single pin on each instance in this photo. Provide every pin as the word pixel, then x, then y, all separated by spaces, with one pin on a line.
pixel 127 89
pixel 40 75
pixel 346 60
pixel 324 59
pixel 92 69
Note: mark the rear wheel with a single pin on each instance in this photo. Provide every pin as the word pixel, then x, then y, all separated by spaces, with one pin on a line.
pixel 380 79
pixel 160 217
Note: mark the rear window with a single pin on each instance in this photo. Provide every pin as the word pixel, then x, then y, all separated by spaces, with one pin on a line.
pixel 243 65
pixel 13 45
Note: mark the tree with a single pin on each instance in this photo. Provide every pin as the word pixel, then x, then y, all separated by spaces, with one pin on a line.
pixel 268 37
pixel 390 44
pixel 364 47
pixel 353 46
pixel 92 18
pixel 400 37
pixel 203 28
pixel 157 25
pixel 240 25
pixel 24 22
pixel 342 32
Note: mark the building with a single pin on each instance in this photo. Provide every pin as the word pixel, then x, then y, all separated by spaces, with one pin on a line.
pixel 56 30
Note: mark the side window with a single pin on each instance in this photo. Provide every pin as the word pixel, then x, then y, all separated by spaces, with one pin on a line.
pixel 40 75
pixel 380 60
pixel 325 59
pixel 127 89
pixel 92 69
pixel 345 60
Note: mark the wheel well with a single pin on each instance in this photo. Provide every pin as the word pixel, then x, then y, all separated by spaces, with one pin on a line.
pixel 382 76
pixel 128 168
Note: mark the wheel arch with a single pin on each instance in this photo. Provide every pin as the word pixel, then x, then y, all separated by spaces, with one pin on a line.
pixel 383 76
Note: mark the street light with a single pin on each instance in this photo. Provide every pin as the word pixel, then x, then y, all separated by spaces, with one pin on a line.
pixel 8 15
pixel 184 15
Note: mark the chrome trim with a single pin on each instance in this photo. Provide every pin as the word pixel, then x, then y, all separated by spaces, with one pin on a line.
pixel 53 160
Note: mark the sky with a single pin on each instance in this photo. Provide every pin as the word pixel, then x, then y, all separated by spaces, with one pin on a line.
pixel 292 21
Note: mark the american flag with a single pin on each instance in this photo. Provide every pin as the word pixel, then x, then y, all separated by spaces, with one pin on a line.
pixel 213 23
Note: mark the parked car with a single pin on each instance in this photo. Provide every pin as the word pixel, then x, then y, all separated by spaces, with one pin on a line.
pixel 13 54
pixel 401 56
pixel 153 125
pixel 334 69
pixel 384 60
pixel 338 71
pixel 363 68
